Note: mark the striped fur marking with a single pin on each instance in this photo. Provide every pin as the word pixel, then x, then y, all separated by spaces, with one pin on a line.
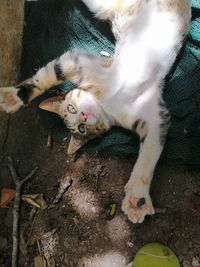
pixel 142 125
pixel 141 128
pixel 25 92
pixel 165 122
pixel 142 139
pixel 58 71
pixel 135 125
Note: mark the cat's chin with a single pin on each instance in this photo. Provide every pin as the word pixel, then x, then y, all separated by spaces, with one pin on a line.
pixel 92 120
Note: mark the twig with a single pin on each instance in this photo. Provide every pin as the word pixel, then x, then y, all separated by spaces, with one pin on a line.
pixel 64 185
pixel 39 248
pixel 49 141
pixel 19 184
pixel 31 229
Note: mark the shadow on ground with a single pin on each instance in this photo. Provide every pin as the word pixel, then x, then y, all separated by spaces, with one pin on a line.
pixel 85 233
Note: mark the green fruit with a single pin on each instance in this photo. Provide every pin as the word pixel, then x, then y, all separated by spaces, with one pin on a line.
pixel 155 255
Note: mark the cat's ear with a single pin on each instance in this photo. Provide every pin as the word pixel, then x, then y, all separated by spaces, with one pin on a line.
pixel 75 144
pixel 52 104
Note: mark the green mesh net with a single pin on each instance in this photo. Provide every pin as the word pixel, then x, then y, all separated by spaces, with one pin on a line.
pixel 53 27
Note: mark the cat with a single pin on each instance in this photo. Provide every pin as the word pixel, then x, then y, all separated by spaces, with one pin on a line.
pixel 125 90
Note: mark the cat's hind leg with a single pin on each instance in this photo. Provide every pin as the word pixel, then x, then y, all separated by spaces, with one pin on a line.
pixel 137 202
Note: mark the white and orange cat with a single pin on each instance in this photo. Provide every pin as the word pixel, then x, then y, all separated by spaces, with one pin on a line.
pixel 125 91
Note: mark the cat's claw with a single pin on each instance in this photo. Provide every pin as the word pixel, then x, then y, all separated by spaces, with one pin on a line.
pixel 9 100
pixel 136 208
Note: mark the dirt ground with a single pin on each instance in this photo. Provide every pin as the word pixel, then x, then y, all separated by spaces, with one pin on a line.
pixel 84 232
pixel 79 230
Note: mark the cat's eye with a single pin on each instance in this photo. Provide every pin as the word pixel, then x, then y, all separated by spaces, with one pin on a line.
pixel 82 128
pixel 71 108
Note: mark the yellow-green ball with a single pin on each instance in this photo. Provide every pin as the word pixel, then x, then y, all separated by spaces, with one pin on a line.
pixel 155 255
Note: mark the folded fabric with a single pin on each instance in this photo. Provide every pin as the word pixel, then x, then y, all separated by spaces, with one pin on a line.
pixel 53 27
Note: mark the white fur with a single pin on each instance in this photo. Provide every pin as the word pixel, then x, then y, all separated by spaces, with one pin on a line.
pixel 145 52
pixel 148 40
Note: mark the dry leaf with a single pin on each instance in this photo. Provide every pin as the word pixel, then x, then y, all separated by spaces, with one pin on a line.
pixel 39 261
pixel 35 200
pixel 7 195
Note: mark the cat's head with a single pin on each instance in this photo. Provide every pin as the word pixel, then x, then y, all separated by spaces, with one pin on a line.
pixel 82 115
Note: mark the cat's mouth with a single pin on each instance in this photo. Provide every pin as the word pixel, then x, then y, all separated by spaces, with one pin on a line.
pixel 91 120
pixel 88 118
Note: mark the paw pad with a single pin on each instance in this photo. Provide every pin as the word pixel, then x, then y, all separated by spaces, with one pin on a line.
pixel 9 100
pixel 137 202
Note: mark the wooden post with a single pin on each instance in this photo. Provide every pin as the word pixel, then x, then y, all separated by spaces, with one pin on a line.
pixel 11 29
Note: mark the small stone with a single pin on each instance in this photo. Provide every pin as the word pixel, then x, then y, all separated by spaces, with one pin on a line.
pixel 130 244
pixel 93 209
pixel 195 262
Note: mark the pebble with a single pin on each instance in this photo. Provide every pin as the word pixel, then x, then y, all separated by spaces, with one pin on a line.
pixel 130 244
pixel 94 209
pixel 195 262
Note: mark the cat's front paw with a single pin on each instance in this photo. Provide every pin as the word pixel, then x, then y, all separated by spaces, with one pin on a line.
pixel 9 100
pixel 137 203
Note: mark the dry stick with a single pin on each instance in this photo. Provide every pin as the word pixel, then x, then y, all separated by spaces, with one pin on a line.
pixel 18 183
pixel 64 185
pixel 31 229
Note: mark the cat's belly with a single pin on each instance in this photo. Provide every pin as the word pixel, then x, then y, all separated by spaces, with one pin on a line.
pixel 125 111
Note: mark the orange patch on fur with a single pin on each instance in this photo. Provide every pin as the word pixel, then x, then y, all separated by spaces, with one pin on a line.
pixel 133 201
pixel 13 101
pixel 144 179
pixel 9 98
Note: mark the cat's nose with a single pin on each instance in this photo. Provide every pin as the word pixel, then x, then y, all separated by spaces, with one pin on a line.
pixel 83 117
